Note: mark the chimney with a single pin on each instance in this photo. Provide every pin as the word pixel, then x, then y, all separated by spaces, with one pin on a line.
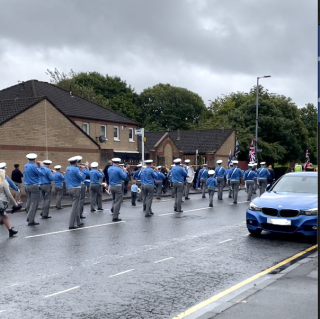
pixel 178 136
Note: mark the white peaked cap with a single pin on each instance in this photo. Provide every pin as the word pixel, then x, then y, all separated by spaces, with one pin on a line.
pixel 211 172
pixel 79 158
pixel 121 164
pixel 47 162
pixel 94 164
pixel 187 161
pixel 235 162
pixel 219 161
pixel 204 164
pixel 31 156
pixel 172 165
pixel 116 160
pixel 139 165
pixel 250 165
pixel 149 161
pixel 72 159
pixel 159 167
pixel 177 160
pixel 57 166
pixel 263 163
pixel 3 165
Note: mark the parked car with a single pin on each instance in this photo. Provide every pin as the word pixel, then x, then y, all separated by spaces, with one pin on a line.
pixel 289 206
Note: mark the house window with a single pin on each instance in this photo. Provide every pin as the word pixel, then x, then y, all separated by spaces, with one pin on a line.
pixel 116 133
pixel 104 130
pixel 85 127
pixel 131 135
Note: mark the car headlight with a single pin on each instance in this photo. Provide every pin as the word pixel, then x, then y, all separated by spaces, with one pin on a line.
pixel 254 207
pixel 310 212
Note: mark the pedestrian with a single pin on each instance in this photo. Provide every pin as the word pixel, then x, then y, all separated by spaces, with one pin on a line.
pixel 262 173
pixel 59 178
pixel 309 168
pixel 74 178
pixel 202 178
pixel 5 197
pixel 211 184
pixel 249 177
pixel 45 189
pixel 220 173
pixel 228 179
pixel 158 182
pixel 189 179
pixel 116 176
pixel 298 167
pixel 170 181
pixel 147 181
pixel 271 177
pixel 32 172
pixel 235 177
pixel 84 167
pixel 137 178
pixel 16 177
pixel 134 192
pixel 12 185
pixel 105 172
pixel 128 179
pixel 178 176
pixel 95 186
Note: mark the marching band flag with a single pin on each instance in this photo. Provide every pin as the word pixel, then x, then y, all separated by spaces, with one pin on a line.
pixel 236 150
pixel 252 152
pixel 230 159
pixel 307 160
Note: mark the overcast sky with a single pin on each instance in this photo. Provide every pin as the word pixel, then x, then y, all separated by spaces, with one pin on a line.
pixel 211 47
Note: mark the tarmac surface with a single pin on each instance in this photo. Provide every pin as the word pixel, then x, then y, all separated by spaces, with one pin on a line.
pixel 137 268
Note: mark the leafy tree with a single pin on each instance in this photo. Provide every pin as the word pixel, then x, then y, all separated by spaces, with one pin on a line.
pixel 165 107
pixel 281 131
pixel 108 91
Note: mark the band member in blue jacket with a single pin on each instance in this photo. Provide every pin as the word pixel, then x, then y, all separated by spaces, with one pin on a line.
pixel 211 184
pixel 202 178
pixel 234 177
pixel 179 175
pixel 262 173
pixel 58 185
pixel 95 186
pixel 249 177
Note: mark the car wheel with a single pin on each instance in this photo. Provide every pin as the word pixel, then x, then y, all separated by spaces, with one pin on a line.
pixel 255 232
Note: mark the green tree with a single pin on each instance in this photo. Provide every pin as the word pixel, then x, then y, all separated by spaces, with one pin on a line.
pixel 165 107
pixel 281 132
pixel 309 114
pixel 108 91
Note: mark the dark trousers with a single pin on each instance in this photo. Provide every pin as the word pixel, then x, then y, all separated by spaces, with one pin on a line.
pixel 133 198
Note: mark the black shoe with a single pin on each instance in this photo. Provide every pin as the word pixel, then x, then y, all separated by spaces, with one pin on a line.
pixel 144 207
pixel 134 205
pixel 12 232
pixel 187 198
pixel 40 214
pixel 33 224
pixel 203 197
pixel 179 211
pixel 82 217
pixel 175 209
pixel 116 219
pixel 111 210
pixel 235 203
pixel 59 208
pixel 81 224
pixel 158 198
pixel 151 213
pixel 93 210
pixel 74 227
pixel 100 209
pixel 230 196
pixel 210 205
pixel 15 208
pixel 27 219
pixel 148 215
pixel 46 217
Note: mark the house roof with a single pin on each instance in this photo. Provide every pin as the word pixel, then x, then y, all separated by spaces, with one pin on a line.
pixel 72 106
pixel 12 108
pixel 191 140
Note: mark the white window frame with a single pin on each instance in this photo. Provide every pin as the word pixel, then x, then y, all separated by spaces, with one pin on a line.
pixel 88 128
pixel 105 129
pixel 131 139
pixel 118 135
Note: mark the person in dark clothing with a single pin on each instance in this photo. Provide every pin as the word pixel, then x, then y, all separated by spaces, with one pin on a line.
pixel 271 177
pixel 106 176
pixel 309 168
pixel 16 177
pixel 126 182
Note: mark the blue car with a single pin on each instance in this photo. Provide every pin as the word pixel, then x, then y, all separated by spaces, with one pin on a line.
pixel 289 206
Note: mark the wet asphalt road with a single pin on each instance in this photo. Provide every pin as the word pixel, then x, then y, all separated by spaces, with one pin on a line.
pixel 139 268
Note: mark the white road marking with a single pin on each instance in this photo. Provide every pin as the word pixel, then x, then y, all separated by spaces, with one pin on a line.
pixel 159 261
pixel 120 273
pixel 246 235
pixel 224 241
pixel 166 214
pixel 68 230
pixel 246 201
pixel 2 311
pixel 13 285
pixel 193 210
pixel 199 248
pixel 61 292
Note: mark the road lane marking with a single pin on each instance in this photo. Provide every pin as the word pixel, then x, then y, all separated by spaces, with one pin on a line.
pixel 224 241
pixel 68 230
pixel 166 214
pixel 61 292
pixel 193 210
pixel 120 273
pixel 239 285
pixel 2 311
pixel 199 248
pixel 13 285
pixel 246 201
pixel 159 261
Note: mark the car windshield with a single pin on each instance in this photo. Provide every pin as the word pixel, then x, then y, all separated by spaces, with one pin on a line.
pixel 297 184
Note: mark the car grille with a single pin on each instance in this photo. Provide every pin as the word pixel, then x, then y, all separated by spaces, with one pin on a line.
pixel 280 228
pixel 289 212
pixel 269 211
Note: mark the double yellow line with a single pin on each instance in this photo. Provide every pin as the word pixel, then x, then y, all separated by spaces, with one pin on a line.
pixel 241 284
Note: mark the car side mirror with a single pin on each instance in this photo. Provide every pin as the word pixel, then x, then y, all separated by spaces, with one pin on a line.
pixel 268 187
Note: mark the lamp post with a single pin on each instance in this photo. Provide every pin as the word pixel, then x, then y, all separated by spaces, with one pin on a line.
pixel 257 105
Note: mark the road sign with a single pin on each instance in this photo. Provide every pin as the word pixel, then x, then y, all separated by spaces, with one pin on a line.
pixel 138 131
pixel 259 150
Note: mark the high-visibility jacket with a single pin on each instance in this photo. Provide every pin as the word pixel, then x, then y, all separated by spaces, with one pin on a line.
pixel 298 168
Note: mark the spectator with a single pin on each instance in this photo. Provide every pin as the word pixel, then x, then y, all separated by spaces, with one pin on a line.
pixel 16 177
pixel 271 177
pixel 310 168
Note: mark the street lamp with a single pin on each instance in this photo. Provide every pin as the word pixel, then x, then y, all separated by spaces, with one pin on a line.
pixel 257 104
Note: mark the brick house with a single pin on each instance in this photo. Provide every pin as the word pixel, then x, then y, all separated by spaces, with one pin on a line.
pixel 42 118
pixel 212 145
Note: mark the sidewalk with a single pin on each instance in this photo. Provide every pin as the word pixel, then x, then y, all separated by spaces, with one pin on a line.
pixel 290 293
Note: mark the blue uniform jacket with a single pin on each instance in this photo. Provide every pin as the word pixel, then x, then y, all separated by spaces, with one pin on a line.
pixel 137 175
pixel 211 182
pixel 220 171
pixel 47 177
pixel 32 174
pixel 235 174
pixel 170 174
pixel 178 174
pixel 11 184
pixel 160 176
pixel 58 179
pixel 116 175
pixel 95 176
pixel 263 172
pixel 74 177
pixel 147 176
pixel 203 173
pixel 249 175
